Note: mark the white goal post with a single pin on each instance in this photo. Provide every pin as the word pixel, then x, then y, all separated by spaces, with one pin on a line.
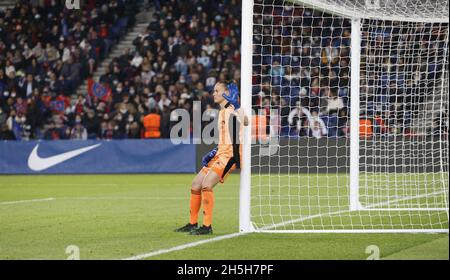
pixel 349 102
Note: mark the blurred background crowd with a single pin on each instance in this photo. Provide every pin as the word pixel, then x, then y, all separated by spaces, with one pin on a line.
pixel 301 68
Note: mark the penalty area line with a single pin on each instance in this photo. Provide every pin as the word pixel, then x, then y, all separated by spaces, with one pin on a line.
pixel 26 201
pixel 185 246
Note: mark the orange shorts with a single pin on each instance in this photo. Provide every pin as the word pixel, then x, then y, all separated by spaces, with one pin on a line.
pixel 221 165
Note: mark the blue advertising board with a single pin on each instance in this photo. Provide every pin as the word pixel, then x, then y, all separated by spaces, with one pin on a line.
pixel 91 156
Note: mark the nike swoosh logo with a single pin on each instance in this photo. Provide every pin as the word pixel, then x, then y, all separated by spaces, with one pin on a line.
pixel 36 163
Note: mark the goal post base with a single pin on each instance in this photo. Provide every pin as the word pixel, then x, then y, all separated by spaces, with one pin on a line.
pixel 247 228
pixel 355 206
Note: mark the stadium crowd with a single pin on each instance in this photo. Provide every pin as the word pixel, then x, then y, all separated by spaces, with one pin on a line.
pixel 176 61
pixel 301 68
pixel 46 51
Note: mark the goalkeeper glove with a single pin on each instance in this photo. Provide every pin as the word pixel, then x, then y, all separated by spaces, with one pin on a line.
pixel 232 98
pixel 207 158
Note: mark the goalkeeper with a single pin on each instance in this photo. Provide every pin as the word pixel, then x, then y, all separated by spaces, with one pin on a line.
pixel 221 161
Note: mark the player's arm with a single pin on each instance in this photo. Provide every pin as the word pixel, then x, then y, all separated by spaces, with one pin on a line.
pixel 232 98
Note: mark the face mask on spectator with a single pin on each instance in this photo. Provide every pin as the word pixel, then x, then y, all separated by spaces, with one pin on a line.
pixel 119 89
pixel 123 110
pixel 13 94
pixel 132 91
pixel 5 93
pixel 130 118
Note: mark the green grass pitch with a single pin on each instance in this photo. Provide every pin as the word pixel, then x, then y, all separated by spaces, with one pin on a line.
pixel 120 216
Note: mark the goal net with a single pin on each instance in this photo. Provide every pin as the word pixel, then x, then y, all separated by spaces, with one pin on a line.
pixel 350 122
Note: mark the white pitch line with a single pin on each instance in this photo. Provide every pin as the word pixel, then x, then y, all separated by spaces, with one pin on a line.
pixel 26 201
pixel 184 246
pixel 406 198
pixel 232 235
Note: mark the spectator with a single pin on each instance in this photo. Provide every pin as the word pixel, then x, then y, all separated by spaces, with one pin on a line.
pixel 163 102
pixel 6 133
pixel 316 125
pixel 334 103
pixel 92 124
pixel 298 118
pixel 48 52
pixel 133 130
pixel 51 133
pixel 152 125
pixel 27 86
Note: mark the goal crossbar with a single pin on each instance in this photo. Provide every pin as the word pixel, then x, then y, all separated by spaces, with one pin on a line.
pixel 342 11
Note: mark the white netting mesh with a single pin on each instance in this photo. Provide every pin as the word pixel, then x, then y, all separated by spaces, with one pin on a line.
pixel 301 89
pixel 403 99
pixel 406 10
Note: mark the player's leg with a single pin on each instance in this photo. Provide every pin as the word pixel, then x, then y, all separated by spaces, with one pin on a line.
pixel 207 195
pixel 195 202
pixel 217 174
pixel 196 196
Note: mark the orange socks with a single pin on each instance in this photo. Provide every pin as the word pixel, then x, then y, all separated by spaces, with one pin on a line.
pixel 197 198
pixel 196 202
pixel 208 205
